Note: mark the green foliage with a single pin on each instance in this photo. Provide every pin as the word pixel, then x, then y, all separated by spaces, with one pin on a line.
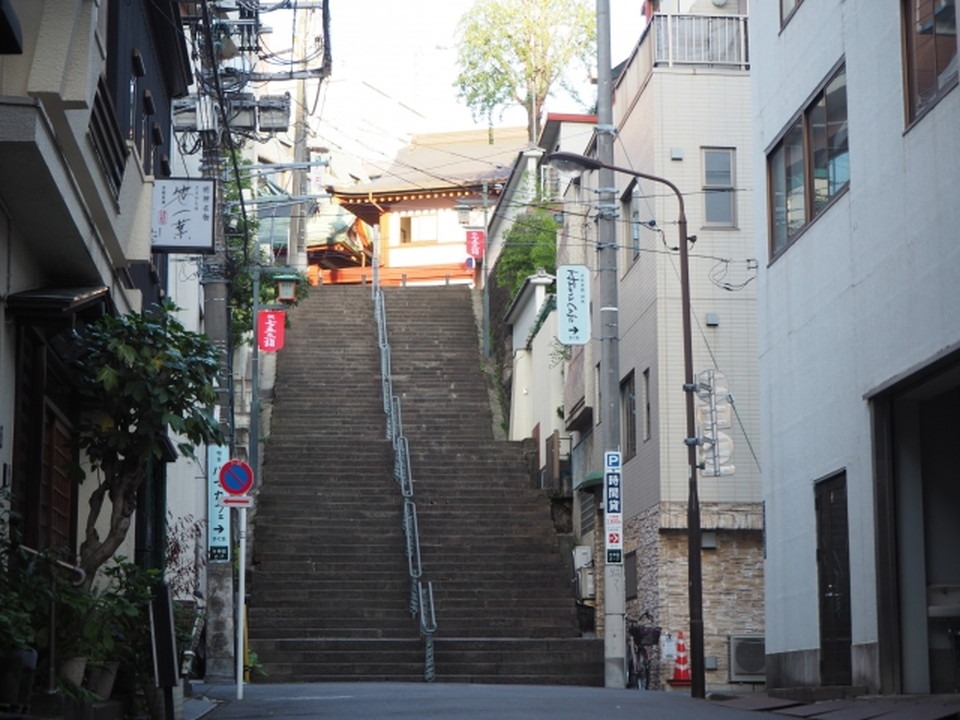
pixel 137 377
pixel 243 254
pixel 530 244
pixel 24 589
pixel 518 51
pixel 140 375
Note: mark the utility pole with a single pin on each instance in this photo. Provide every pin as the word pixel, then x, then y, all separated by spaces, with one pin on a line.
pixel 297 246
pixel 614 595
pixel 220 601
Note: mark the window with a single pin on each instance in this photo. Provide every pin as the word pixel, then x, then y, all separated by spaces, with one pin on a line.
pixel 787 8
pixel 810 164
pixel 422 227
pixel 630 223
pixel 628 417
pixel 630 584
pixel 598 386
pixel 719 206
pixel 646 405
pixel 930 29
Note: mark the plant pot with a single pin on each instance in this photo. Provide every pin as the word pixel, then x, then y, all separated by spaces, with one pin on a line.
pixel 72 670
pixel 17 668
pixel 100 678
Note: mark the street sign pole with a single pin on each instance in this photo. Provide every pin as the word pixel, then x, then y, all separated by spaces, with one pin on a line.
pixel 241 600
pixel 236 478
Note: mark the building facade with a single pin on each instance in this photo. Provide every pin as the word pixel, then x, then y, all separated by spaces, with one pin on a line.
pixel 682 112
pixel 85 97
pixel 858 163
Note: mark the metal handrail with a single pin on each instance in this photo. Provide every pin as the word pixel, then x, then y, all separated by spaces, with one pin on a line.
pixel 421 597
pixel 428 627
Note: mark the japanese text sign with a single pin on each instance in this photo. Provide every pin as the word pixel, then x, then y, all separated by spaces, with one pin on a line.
pixel 270 330
pixel 476 242
pixel 182 215
pixel 573 305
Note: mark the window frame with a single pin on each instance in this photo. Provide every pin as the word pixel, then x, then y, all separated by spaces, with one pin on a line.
pixel 913 110
pixel 628 416
pixel 728 189
pixel 630 222
pixel 799 126
pixel 787 13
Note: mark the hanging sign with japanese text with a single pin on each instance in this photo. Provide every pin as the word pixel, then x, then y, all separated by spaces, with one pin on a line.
pixel 270 327
pixel 573 305
pixel 476 242
pixel 182 215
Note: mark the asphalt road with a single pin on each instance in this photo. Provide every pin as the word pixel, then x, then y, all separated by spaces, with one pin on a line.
pixel 422 701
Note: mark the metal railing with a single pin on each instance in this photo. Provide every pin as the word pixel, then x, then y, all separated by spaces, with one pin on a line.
pixel 421 594
pixel 714 40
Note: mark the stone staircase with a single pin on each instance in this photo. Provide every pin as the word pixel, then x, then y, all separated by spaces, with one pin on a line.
pixel 329 590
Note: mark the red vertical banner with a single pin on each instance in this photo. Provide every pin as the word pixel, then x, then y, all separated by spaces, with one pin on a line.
pixel 476 239
pixel 270 327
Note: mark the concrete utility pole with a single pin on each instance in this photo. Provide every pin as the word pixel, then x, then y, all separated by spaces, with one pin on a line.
pixel 297 243
pixel 216 292
pixel 614 596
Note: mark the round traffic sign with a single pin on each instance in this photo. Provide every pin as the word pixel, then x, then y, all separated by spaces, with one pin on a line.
pixel 236 477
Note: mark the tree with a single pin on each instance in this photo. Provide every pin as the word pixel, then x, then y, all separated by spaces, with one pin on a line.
pixel 518 51
pixel 137 377
pixel 530 243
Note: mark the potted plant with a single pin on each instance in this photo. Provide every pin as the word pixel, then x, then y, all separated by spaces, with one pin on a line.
pixel 21 597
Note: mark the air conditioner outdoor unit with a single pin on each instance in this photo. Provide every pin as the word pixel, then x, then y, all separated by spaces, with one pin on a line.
pixel 586 584
pixel 748 662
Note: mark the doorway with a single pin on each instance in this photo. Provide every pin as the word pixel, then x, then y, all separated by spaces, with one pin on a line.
pixel 918 503
pixel 833 577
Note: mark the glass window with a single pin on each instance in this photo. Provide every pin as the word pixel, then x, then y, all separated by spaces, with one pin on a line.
pixel 787 7
pixel 930 27
pixel 647 421
pixel 786 169
pixel 718 187
pixel 628 417
pixel 630 223
pixel 828 142
pixel 810 165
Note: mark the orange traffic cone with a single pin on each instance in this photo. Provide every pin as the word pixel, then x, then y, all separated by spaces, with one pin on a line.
pixel 681 668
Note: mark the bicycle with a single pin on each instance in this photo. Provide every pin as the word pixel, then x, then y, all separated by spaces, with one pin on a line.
pixel 639 638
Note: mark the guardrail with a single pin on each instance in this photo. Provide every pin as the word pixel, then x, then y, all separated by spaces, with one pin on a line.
pixel 421 594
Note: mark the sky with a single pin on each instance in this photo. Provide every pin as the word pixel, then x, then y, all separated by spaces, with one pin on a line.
pixel 394 66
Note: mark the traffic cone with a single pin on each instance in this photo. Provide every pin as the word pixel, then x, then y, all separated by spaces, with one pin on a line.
pixel 681 668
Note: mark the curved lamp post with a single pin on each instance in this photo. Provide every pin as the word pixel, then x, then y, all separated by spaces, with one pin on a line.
pixel 572 162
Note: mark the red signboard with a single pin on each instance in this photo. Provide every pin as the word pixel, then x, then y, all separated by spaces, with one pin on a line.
pixel 270 325
pixel 476 239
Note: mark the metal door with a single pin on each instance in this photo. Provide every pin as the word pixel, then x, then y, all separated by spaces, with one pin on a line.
pixel 833 575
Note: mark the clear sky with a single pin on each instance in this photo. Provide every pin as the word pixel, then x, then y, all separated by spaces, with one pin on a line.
pixel 394 65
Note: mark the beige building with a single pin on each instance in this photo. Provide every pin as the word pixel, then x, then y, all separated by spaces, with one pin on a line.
pixel 682 112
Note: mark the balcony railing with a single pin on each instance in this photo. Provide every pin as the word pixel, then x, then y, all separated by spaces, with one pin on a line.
pixel 708 40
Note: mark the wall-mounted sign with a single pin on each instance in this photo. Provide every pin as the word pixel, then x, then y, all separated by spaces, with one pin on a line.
pixel 613 507
pixel 218 517
pixel 182 215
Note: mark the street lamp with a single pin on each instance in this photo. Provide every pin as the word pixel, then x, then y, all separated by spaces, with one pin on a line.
pixel 572 162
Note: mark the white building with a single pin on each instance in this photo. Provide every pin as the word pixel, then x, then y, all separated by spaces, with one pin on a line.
pixel 682 112
pixel 857 120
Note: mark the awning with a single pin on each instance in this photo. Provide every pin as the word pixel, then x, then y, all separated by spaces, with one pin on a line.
pixel 589 481
pixel 57 305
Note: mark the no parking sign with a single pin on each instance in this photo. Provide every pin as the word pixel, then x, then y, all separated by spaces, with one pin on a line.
pixel 236 477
